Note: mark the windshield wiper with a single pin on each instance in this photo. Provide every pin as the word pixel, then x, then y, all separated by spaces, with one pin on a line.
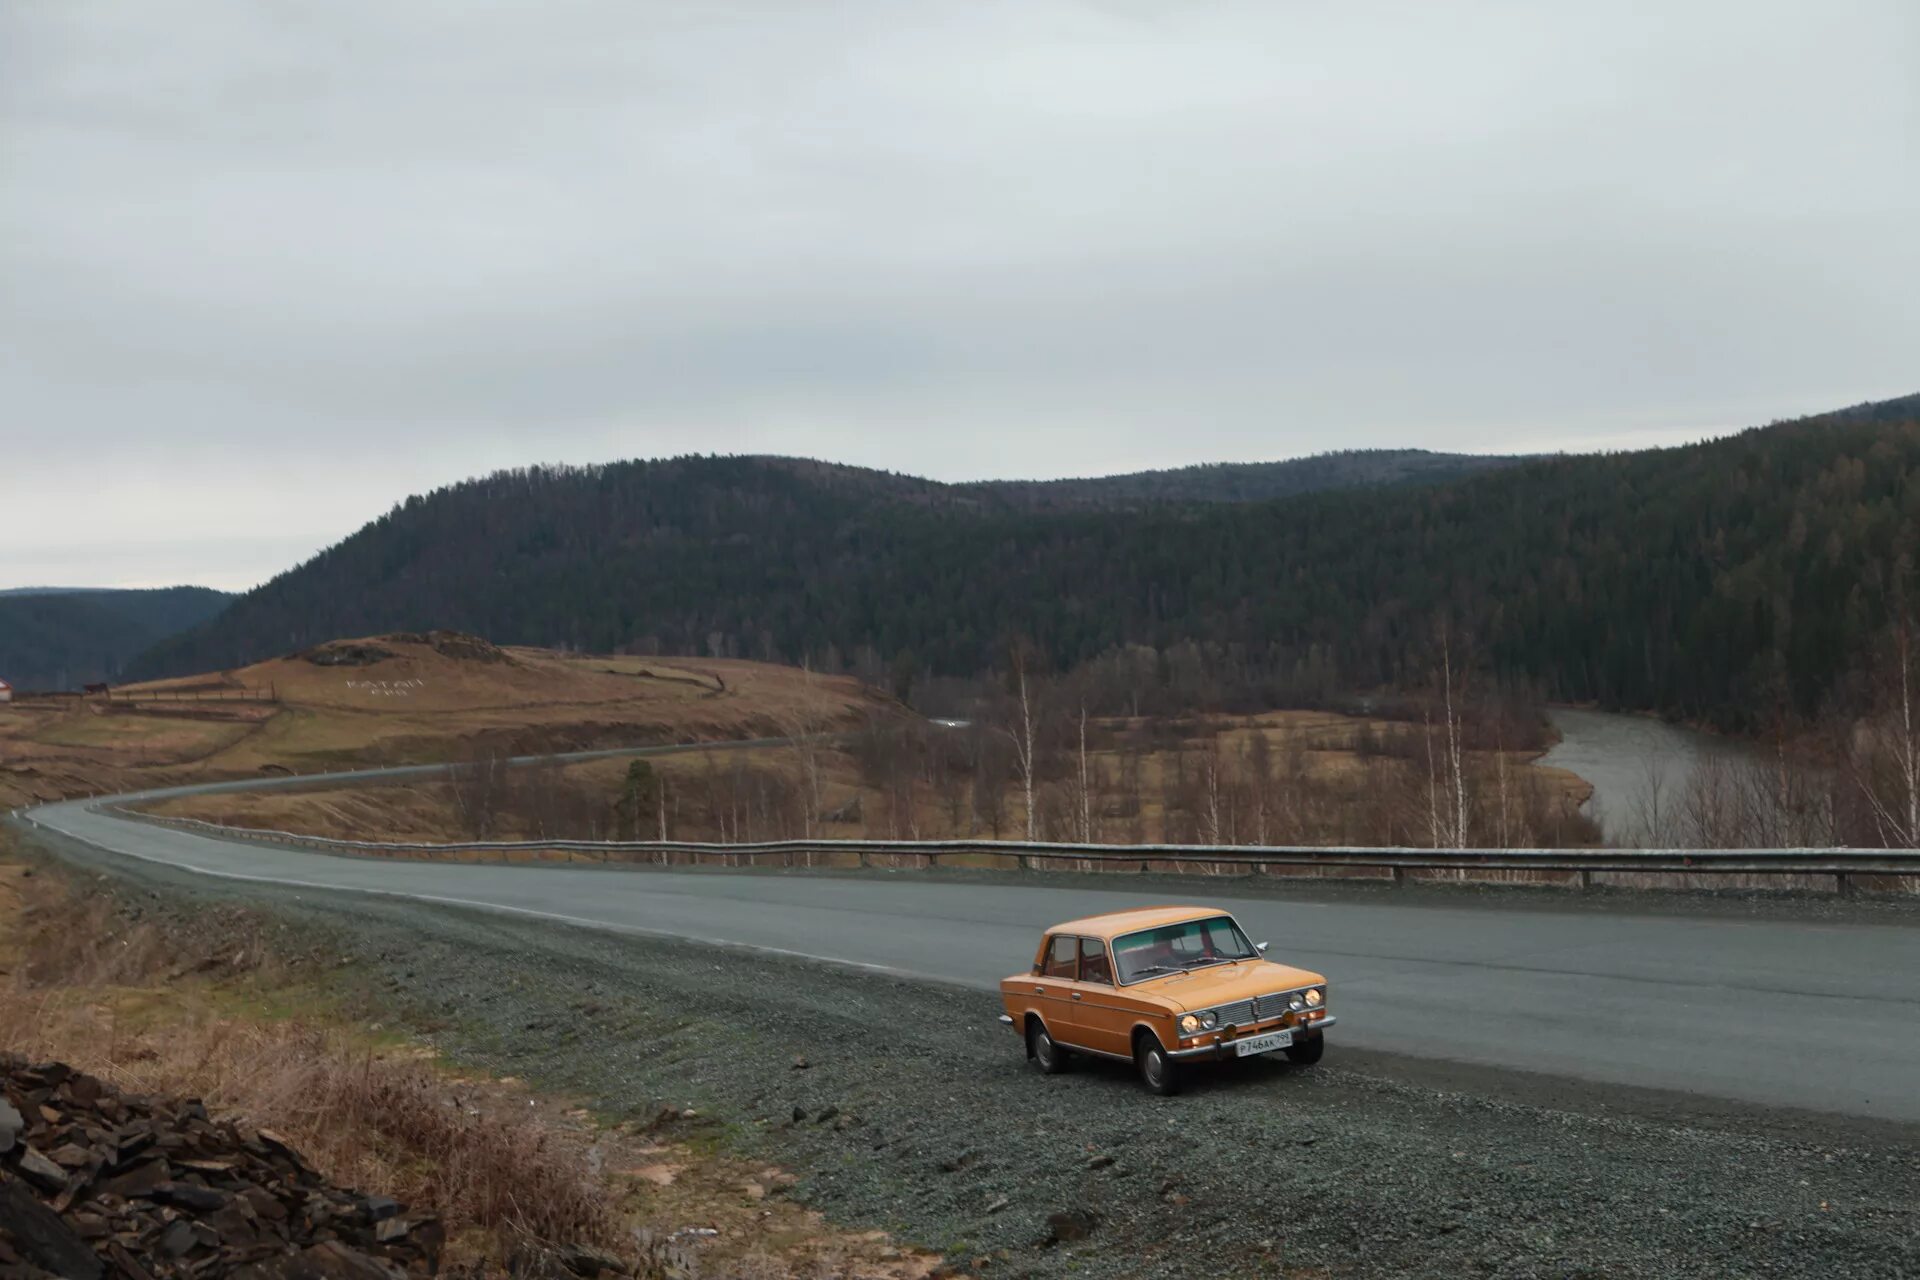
pixel 1144 970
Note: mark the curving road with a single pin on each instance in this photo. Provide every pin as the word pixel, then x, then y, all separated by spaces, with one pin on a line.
pixel 1803 1013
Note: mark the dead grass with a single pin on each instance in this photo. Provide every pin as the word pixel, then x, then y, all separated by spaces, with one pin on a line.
pixel 369 1116
pixel 1333 762
pixel 419 704
pixel 218 1010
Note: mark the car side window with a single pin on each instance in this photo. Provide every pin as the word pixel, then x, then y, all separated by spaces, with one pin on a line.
pixel 1062 953
pixel 1094 965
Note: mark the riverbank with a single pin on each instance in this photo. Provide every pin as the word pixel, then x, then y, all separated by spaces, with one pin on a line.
pixel 1633 764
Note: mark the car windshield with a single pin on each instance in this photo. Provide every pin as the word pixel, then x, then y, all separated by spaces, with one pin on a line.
pixel 1176 948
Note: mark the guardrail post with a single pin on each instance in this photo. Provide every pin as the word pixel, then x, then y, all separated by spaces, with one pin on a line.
pixel 1843 884
pixel 1586 878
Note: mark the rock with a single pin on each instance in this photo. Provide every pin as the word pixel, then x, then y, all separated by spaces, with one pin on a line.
pixel 997 1204
pixel 1100 1162
pixel 140 1188
pixel 588 1262
pixel 10 1126
pixel 40 1238
pixel 799 1114
pixel 826 1115
pixel 37 1168
pixel 379 1208
pixel 1072 1225
pixel 184 1195
pixel 801 1064
pixel 177 1239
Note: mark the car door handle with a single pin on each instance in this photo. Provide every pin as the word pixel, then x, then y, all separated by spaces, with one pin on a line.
pixel 1039 991
pixel 1076 995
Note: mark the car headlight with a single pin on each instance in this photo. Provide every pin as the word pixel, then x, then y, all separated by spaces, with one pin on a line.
pixel 1210 1019
pixel 1189 1024
pixel 1316 997
pixel 1296 1002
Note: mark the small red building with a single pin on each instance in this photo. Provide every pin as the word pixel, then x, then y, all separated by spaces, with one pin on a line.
pixel 6 691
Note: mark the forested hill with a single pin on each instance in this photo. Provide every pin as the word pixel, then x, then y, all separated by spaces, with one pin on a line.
pixel 54 638
pixel 1251 481
pixel 1721 581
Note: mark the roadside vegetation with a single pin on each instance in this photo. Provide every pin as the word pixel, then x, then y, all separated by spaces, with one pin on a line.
pixel 214 1004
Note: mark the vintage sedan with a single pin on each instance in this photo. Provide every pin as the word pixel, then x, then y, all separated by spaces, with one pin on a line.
pixel 1161 987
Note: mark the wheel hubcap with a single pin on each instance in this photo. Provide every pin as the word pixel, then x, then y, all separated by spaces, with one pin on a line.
pixel 1156 1068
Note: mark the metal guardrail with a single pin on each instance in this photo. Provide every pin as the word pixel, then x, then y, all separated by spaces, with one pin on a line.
pixel 1577 866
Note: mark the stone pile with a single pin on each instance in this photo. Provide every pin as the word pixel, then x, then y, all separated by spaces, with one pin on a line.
pixel 94 1184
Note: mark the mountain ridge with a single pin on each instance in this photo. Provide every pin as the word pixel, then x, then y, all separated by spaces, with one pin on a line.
pixel 1673 580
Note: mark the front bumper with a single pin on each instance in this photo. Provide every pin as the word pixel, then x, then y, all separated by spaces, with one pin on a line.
pixel 1222 1045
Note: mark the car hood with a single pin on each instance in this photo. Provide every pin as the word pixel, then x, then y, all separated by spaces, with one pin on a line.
pixel 1224 984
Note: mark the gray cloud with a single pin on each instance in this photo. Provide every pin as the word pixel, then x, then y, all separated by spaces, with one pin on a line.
pixel 264 270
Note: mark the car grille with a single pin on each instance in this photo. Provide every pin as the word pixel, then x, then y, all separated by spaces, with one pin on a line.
pixel 1258 1009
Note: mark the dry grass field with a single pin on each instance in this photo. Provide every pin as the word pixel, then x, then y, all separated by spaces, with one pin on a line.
pixel 403 700
pixel 1327 777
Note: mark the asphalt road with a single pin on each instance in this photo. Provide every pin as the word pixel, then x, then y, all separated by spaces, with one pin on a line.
pixel 1822 1015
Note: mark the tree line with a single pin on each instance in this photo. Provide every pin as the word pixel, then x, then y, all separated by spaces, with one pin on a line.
pixel 1733 583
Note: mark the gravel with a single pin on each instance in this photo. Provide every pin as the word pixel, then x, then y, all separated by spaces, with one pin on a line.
pixel 916 1112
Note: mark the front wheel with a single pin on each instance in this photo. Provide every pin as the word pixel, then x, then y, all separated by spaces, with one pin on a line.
pixel 1157 1070
pixel 1306 1051
pixel 1047 1055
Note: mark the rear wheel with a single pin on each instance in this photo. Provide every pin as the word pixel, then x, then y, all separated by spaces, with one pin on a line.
pixel 1157 1070
pixel 1046 1054
pixel 1306 1051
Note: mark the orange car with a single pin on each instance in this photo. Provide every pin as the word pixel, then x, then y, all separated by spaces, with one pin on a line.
pixel 1159 987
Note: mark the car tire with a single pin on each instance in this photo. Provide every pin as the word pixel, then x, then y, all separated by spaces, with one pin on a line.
pixel 1158 1071
pixel 1045 1050
pixel 1307 1050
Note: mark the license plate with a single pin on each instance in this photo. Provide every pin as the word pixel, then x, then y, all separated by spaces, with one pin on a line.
pixel 1263 1044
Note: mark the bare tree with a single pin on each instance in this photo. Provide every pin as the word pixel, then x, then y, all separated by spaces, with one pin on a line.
pixel 479 790
pixel 1022 734
pixel 1086 790
pixel 1653 817
pixel 1258 766
pixel 805 728
pixel 1883 753
pixel 1447 804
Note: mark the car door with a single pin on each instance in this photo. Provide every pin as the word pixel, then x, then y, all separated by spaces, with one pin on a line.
pixel 1102 1016
pixel 1056 987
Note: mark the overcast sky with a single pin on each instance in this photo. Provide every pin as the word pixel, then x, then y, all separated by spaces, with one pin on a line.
pixel 266 268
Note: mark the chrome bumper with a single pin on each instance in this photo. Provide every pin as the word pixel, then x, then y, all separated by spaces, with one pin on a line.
pixel 1224 1048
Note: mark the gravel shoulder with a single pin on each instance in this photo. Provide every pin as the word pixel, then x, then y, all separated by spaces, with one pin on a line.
pixel 915 1112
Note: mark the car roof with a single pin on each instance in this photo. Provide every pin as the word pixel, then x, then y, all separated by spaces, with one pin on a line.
pixel 1112 924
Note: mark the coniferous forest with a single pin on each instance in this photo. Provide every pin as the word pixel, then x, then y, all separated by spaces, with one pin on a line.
pixel 1735 582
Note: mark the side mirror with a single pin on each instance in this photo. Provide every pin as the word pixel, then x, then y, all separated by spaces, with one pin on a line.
pixel 1261 947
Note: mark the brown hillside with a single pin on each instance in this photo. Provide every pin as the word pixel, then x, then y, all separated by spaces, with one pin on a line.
pixel 404 699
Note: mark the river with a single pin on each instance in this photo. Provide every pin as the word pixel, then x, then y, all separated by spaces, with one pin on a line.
pixel 1622 756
